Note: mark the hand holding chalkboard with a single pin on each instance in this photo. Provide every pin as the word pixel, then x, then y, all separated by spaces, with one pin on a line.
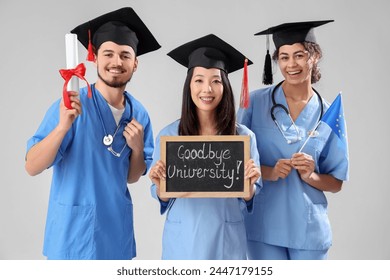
pixel 157 174
pixel 253 173
pixel 204 166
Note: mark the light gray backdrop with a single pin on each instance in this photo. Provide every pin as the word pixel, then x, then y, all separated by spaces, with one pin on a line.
pixel 356 61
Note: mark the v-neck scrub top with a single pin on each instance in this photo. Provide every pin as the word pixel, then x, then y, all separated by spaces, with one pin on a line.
pixel 90 212
pixel 289 212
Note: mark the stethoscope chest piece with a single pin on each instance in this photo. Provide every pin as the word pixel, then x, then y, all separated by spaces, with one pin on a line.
pixel 108 139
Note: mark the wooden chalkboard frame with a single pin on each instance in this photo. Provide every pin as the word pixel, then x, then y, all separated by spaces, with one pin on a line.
pixel 220 138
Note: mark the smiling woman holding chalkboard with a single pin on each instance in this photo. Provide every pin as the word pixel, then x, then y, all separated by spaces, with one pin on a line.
pixel 207 227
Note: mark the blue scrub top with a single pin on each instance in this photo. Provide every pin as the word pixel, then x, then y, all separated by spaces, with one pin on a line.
pixel 90 212
pixel 204 228
pixel 289 212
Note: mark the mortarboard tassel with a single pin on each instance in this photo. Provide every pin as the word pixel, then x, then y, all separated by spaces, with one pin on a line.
pixel 244 98
pixel 267 74
pixel 90 56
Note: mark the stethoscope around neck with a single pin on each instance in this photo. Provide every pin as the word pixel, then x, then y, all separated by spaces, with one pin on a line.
pixel 284 108
pixel 108 139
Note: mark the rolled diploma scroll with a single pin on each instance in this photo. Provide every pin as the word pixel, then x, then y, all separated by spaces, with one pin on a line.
pixel 72 60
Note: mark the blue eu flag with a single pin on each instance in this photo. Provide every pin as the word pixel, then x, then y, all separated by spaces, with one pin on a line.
pixel 334 118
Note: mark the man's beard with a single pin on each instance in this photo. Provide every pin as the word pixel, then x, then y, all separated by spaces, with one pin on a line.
pixel 114 84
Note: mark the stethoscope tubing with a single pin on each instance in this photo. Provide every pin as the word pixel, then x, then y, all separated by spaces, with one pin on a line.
pixel 276 105
pixel 109 138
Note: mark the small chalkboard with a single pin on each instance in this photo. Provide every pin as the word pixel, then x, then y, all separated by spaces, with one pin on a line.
pixel 205 166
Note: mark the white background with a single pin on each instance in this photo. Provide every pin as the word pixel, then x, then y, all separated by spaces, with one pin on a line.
pixel 356 60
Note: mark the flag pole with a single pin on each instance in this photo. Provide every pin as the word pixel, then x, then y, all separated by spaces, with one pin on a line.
pixel 311 134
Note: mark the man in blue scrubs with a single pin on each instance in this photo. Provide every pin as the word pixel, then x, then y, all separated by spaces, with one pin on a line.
pixel 96 147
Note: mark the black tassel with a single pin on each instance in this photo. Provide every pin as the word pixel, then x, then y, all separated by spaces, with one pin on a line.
pixel 267 74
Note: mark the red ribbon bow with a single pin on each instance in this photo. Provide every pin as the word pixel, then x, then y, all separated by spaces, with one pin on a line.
pixel 67 74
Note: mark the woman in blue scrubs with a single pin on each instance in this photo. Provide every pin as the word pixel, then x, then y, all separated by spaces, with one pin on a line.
pixel 290 219
pixel 206 228
pixel 96 148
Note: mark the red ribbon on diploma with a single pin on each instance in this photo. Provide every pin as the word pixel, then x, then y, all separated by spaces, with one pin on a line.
pixel 67 74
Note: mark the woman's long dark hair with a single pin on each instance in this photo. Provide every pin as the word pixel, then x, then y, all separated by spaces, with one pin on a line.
pixel 225 112
pixel 312 48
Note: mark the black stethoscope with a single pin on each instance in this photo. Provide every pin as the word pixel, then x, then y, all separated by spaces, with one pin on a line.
pixel 108 139
pixel 284 108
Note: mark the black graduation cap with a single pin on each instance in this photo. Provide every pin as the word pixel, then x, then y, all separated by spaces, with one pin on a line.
pixel 210 52
pixel 123 27
pixel 288 34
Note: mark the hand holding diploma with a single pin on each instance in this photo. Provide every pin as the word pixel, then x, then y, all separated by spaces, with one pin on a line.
pixel 72 83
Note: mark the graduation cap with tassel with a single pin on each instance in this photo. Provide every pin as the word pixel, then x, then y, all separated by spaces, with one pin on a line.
pixel 211 51
pixel 288 34
pixel 122 26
